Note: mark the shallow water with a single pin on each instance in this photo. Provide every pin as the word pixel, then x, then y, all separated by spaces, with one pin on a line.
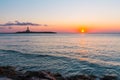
pixel 69 54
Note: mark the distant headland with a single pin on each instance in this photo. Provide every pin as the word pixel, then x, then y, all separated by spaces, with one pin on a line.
pixel 28 31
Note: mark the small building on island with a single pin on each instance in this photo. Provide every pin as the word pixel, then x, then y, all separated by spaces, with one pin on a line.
pixel 28 30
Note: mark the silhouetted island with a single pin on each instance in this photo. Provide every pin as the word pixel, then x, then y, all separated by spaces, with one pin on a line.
pixel 28 31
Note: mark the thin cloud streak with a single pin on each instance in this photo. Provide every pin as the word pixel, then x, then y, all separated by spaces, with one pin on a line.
pixel 17 23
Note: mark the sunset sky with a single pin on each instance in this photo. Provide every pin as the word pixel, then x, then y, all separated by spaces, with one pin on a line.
pixel 60 15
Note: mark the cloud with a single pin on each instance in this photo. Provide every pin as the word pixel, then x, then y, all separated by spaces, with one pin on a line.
pixel 17 23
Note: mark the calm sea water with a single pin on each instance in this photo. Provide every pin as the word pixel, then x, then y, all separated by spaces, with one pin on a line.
pixel 68 54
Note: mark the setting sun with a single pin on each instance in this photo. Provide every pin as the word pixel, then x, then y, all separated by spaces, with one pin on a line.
pixel 82 30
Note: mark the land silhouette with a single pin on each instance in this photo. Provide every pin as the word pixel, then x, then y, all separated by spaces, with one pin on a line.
pixel 29 31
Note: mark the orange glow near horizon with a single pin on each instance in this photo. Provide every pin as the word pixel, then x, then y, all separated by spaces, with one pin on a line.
pixel 68 28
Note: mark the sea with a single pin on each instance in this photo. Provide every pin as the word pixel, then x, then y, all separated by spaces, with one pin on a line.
pixel 67 54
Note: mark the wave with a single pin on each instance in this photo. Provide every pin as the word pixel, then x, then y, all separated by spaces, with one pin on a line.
pixel 8 51
pixel 26 56
pixel 35 55
pixel 18 54
pixel 64 65
pixel 13 52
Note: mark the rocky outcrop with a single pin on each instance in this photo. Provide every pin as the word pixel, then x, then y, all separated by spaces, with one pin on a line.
pixel 82 77
pixel 10 73
pixel 109 78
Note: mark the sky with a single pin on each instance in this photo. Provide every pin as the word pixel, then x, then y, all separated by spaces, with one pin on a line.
pixel 60 15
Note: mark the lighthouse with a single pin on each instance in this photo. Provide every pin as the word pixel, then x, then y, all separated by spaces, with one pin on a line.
pixel 27 30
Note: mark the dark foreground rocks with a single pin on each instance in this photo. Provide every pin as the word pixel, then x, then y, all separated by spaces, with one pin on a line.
pixel 10 73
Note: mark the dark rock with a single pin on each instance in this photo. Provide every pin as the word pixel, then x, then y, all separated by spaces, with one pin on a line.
pixel 109 78
pixel 4 78
pixel 10 73
pixel 59 76
pixel 38 74
pixel 81 77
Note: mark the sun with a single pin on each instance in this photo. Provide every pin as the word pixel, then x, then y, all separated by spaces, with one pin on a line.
pixel 82 30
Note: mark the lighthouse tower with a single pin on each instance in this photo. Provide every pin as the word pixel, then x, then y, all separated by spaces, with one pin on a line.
pixel 27 30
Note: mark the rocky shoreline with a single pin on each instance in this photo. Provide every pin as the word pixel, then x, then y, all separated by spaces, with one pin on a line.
pixel 11 73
